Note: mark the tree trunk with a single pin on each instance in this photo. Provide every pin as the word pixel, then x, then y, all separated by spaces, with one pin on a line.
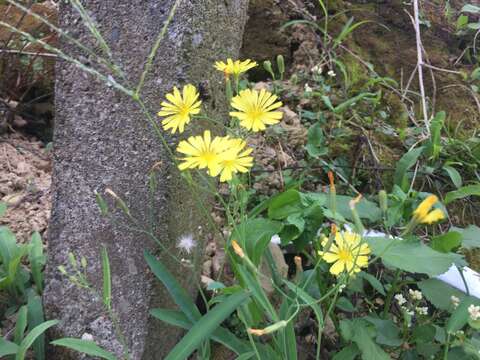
pixel 102 140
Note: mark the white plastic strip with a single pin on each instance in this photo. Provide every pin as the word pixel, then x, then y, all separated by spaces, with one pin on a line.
pixel 454 278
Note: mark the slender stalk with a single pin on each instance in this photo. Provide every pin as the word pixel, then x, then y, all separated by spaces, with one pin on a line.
pixel 155 47
pixel 420 64
pixel 330 308
pixel 391 291
pixel 111 66
pixel 447 346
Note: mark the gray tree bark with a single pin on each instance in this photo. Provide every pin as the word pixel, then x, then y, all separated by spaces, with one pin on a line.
pixel 102 140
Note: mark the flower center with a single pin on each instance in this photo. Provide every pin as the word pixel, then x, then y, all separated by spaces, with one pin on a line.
pixel 345 255
pixel 255 114
pixel 183 110
pixel 209 156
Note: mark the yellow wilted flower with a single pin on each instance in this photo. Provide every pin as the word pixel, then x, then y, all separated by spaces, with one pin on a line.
pixel 422 213
pixel 269 329
pixel 347 253
pixel 235 159
pixel 237 249
pixel 255 109
pixel 234 68
pixel 179 108
pixel 202 152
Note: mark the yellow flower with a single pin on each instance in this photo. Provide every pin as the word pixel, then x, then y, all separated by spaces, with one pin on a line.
pixel 179 108
pixel 347 253
pixel 235 159
pixel 422 213
pixel 235 68
pixel 202 152
pixel 255 109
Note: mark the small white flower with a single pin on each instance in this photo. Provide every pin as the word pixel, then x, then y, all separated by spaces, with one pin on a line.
pixel 409 312
pixel 415 294
pixel 87 336
pixel 474 312
pixel 275 239
pixel 400 299
pixel 455 301
pixel 422 310
pixel 308 89
pixel 331 73
pixel 186 243
pixel 341 287
pixel 317 69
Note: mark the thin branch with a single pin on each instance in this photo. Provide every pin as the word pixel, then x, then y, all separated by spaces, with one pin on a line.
pixel 29 53
pixel 155 47
pixel 416 23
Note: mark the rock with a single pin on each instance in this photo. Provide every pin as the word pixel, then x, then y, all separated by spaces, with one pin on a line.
pixel 102 140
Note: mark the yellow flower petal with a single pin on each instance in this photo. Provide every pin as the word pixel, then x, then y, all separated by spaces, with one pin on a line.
pixel 179 108
pixel 422 210
pixel 433 216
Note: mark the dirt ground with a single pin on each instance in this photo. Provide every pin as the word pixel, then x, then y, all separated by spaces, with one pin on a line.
pixel 25 178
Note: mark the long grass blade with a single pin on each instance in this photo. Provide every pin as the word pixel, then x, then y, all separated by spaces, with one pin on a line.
pixel 204 328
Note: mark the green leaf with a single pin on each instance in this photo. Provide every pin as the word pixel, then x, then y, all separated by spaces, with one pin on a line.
pixel 13 266
pixel 102 204
pixel 462 21
pixel 255 234
pixel 32 336
pixel 178 294
pixel 460 316
pixel 204 327
pixel 257 291
pixel 387 332
pixel 21 325
pixel 471 236
pixel 373 281
pixel 285 204
pixel 404 164
pixel 463 192
pixel 362 337
pixel 307 299
pixel 454 176
pixel 7 348
pixel 349 352
pixel 434 146
pixel 412 256
pixel 445 243
pixel 84 346
pixel 366 209
pixel 316 141
pixel 3 208
pixel 295 224
pixel 8 245
pixel 221 335
pixel 345 305
pixel 36 317
pixel 424 333
pixel 107 279
pixel 37 260
pixel 440 293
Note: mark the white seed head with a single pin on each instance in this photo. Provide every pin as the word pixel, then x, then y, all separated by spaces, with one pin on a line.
pixel 186 243
pixel 275 239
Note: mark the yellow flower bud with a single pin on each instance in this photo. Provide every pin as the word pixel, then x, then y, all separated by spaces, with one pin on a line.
pixel 238 250
pixel 269 329
pixel 422 210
